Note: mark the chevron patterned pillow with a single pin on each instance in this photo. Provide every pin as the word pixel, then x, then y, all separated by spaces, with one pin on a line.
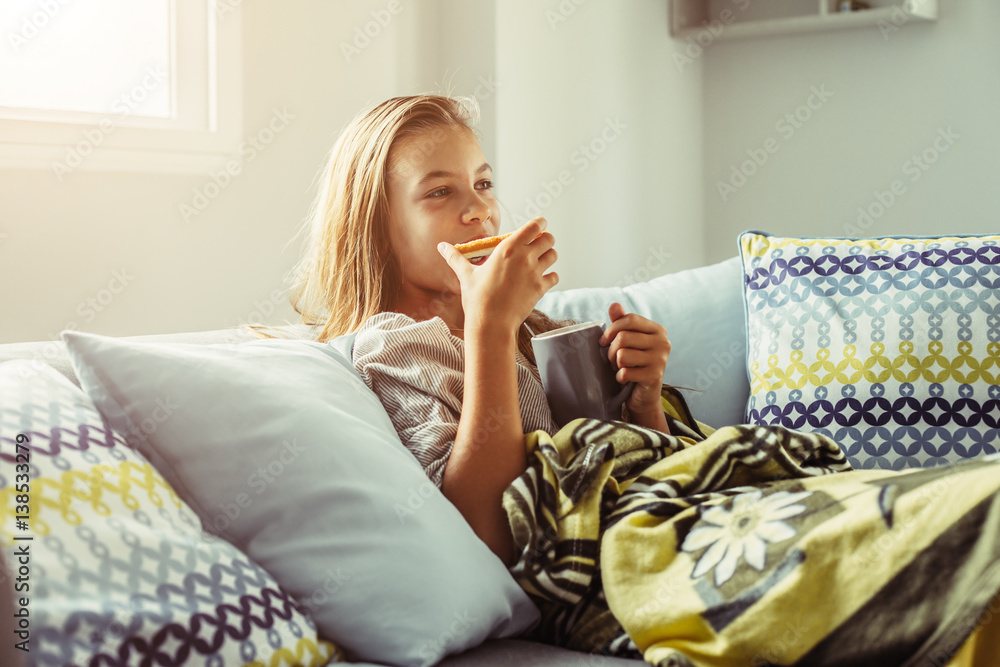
pixel 114 567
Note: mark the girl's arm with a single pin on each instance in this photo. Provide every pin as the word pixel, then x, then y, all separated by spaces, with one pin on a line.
pixel 488 453
pixel 655 420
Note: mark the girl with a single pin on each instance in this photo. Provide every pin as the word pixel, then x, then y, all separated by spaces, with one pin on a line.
pixel 445 342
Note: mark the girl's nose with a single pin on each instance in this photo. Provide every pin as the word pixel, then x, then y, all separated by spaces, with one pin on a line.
pixel 476 210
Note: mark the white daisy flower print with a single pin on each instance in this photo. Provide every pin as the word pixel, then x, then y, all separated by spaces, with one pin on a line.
pixel 745 530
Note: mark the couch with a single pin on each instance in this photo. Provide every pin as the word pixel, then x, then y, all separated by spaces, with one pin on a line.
pixel 725 322
pixel 700 308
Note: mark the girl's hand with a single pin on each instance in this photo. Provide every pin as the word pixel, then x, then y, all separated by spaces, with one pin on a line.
pixel 639 349
pixel 499 294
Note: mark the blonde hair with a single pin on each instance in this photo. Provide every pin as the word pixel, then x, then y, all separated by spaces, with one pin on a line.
pixel 348 272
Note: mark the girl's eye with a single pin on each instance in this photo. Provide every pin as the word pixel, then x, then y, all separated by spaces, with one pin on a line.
pixel 441 192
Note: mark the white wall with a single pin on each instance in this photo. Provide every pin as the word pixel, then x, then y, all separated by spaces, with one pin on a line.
pixel 64 241
pixel 570 73
pixel 891 95
pixel 549 75
pixel 635 212
pixel 448 46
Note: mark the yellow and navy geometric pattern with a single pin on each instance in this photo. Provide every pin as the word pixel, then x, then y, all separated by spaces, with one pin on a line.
pixel 890 346
pixel 119 570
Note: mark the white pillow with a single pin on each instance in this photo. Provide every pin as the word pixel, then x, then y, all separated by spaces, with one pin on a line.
pixel 281 449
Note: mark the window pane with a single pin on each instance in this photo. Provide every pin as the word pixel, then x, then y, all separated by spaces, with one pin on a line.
pixel 106 56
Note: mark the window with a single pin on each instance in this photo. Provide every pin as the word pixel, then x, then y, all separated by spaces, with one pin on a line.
pixel 150 85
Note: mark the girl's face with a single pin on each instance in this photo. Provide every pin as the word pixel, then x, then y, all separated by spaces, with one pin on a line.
pixel 439 189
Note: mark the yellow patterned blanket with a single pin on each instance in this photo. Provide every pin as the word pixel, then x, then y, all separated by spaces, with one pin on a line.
pixel 753 545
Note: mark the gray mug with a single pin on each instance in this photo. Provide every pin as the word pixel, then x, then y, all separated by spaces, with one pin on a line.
pixel 577 376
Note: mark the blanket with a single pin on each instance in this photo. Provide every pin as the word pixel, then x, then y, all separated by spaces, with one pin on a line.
pixel 753 545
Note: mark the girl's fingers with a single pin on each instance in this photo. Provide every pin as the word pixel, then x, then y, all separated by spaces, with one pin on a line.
pixel 631 340
pixel 529 234
pixel 643 375
pixel 548 258
pixel 630 358
pixel 630 322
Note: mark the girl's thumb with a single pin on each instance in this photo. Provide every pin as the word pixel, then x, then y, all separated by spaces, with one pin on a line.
pixel 455 261
pixel 450 255
pixel 446 250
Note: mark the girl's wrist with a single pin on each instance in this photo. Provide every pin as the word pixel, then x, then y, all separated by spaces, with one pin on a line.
pixel 654 419
pixel 490 335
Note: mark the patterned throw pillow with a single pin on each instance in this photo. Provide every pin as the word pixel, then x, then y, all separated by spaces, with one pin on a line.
pixel 890 346
pixel 116 569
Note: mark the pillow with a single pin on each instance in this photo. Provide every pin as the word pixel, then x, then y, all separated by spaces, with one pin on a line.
pixel 280 447
pixel 114 567
pixel 890 346
pixel 702 310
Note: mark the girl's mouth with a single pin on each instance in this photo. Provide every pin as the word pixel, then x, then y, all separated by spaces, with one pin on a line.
pixel 478 261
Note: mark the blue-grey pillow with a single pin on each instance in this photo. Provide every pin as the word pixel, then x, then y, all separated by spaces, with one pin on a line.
pixel 702 311
pixel 280 448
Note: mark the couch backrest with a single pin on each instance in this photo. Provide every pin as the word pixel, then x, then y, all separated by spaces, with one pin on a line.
pixel 53 352
pixel 701 309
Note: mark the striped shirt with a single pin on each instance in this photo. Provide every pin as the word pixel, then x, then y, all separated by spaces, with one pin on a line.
pixel 417 370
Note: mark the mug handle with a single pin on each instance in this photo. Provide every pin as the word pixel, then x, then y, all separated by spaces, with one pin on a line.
pixel 616 401
pixel 619 399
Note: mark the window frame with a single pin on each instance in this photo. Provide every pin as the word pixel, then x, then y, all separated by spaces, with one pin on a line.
pixel 207 109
